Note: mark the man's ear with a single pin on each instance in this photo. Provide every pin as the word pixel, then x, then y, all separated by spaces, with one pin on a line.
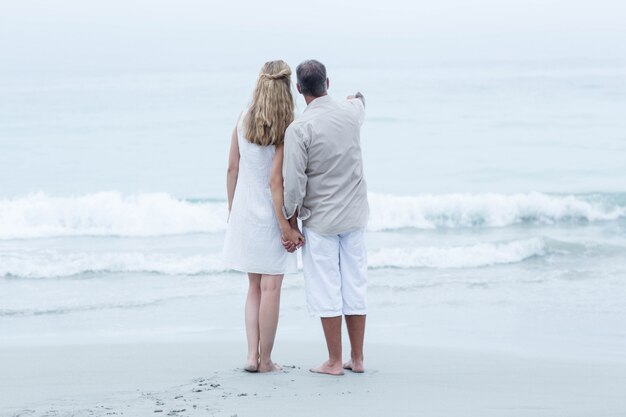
pixel 298 88
pixel 327 83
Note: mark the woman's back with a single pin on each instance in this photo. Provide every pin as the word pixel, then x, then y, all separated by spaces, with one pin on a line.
pixel 253 199
pixel 253 238
pixel 254 157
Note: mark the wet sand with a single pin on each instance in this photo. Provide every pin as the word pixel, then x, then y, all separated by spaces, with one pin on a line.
pixel 186 379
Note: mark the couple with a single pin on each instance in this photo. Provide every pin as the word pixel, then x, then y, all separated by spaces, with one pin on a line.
pixel 280 170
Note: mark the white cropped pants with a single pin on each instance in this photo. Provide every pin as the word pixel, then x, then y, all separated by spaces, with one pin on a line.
pixel 335 273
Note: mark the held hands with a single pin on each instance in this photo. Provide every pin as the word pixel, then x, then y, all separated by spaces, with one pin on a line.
pixel 292 239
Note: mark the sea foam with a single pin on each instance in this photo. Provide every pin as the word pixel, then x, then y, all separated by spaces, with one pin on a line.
pixel 49 263
pixel 471 256
pixel 429 211
pixel 158 214
pixel 108 214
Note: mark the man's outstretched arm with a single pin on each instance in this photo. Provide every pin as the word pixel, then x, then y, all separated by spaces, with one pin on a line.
pixel 359 106
pixel 359 96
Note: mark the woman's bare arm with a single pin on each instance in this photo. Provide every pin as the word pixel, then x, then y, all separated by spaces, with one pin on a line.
pixel 288 232
pixel 233 169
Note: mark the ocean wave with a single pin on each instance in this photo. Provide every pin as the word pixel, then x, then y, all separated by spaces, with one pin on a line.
pixel 431 211
pixel 108 214
pixel 47 264
pixel 159 214
pixel 72 309
pixel 472 256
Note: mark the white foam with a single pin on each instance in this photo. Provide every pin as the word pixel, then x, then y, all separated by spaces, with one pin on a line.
pixel 159 214
pixel 107 214
pixel 488 210
pixel 478 255
pixel 45 264
pixel 49 263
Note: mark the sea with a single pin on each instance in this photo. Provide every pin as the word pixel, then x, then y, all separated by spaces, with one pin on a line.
pixel 497 195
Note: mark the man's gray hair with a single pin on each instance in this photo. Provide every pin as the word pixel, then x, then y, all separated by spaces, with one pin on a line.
pixel 311 77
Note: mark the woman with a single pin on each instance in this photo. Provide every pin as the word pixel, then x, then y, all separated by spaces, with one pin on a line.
pixel 256 224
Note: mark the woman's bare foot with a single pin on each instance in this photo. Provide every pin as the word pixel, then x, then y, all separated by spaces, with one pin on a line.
pixel 270 367
pixel 252 365
pixel 354 366
pixel 328 369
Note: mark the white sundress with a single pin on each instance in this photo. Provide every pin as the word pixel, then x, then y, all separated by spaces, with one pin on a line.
pixel 252 242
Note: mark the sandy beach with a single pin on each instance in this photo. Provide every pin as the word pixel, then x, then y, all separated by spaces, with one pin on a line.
pixel 464 342
pixel 199 379
pixel 452 351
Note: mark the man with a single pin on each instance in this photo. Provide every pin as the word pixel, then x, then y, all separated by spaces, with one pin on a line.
pixel 325 187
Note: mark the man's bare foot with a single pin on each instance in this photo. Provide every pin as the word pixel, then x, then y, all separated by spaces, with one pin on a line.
pixel 328 369
pixel 354 366
pixel 270 367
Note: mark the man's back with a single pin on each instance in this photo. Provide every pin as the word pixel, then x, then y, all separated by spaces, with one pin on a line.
pixel 323 167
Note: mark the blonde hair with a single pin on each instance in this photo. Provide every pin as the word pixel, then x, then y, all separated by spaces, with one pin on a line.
pixel 272 106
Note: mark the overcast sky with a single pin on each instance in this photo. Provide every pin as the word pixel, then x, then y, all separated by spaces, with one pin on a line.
pixel 74 35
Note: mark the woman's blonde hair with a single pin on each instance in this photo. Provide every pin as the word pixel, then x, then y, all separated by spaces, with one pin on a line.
pixel 272 107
